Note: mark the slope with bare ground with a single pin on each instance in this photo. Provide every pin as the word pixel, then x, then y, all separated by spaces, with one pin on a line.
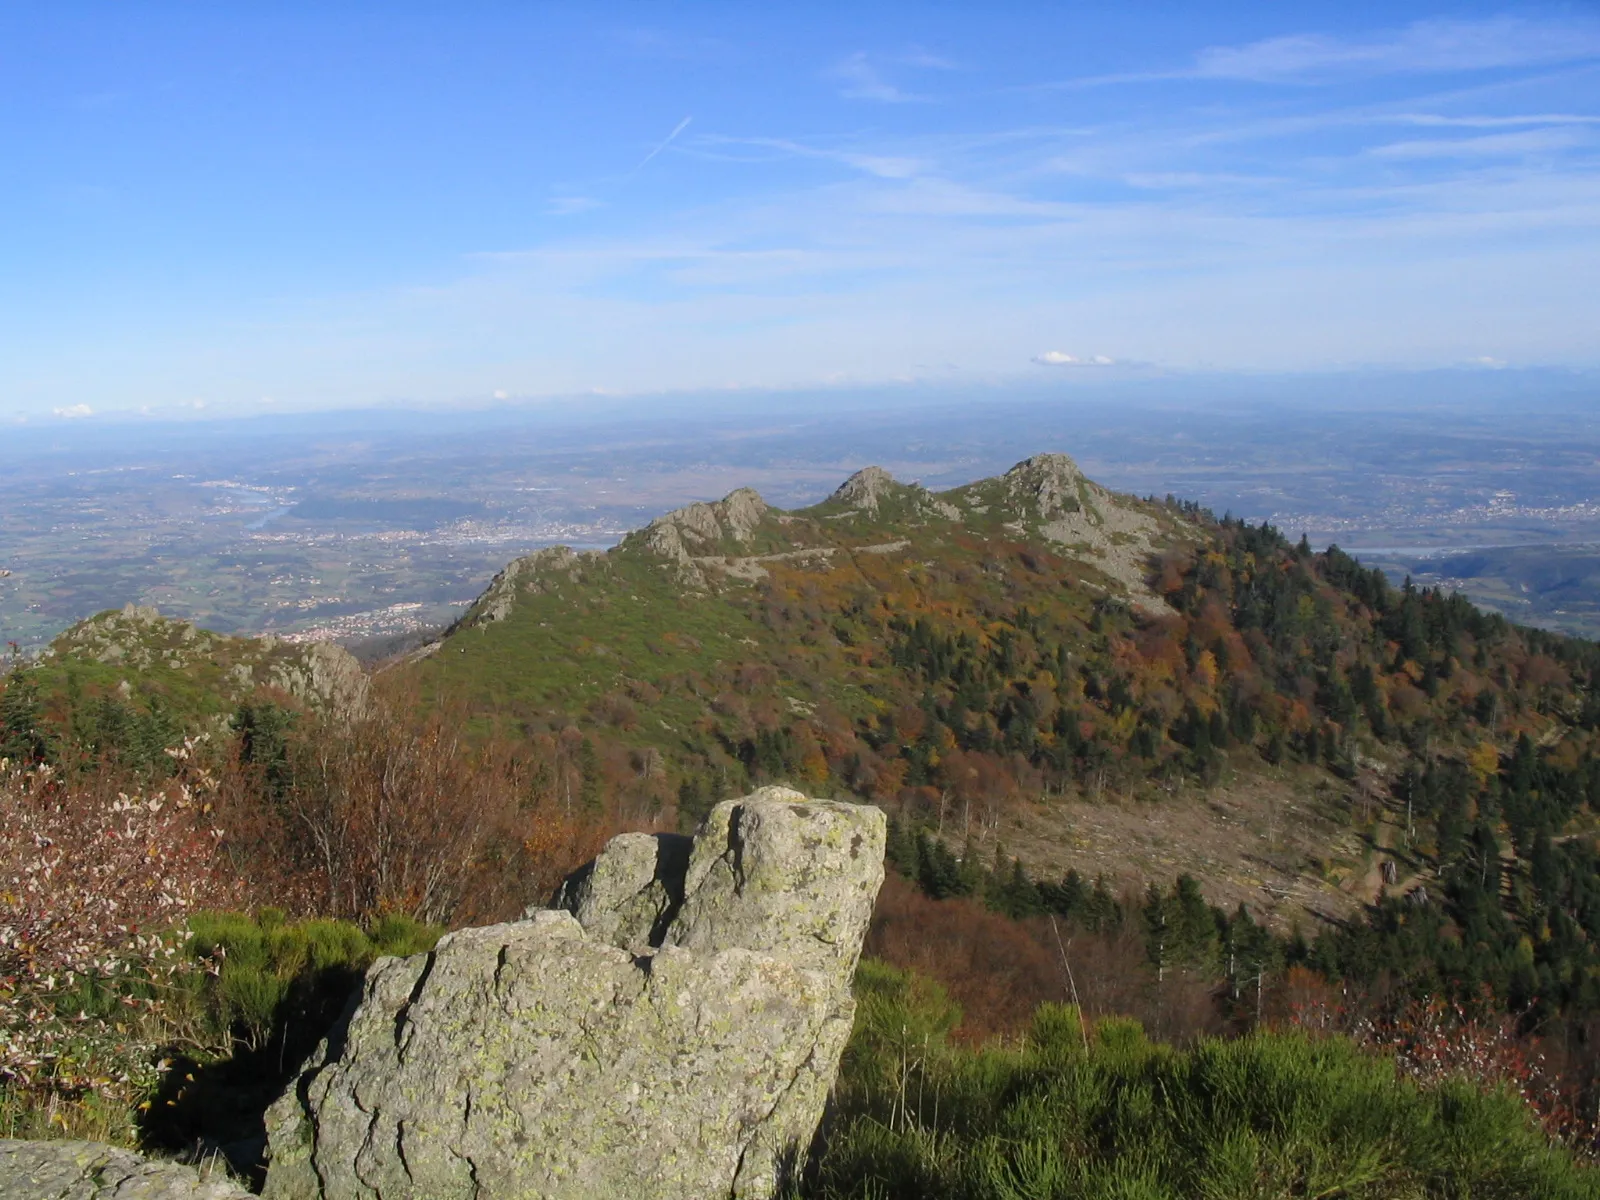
pixel 1021 650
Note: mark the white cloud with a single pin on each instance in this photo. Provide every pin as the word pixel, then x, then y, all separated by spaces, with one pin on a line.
pixel 1531 141
pixel 863 82
pixel 1056 358
pixel 501 394
pixel 1424 46
pixel 917 56
pixel 566 206
pixel 883 166
pixel 667 141
pixel 73 412
pixel 1500 122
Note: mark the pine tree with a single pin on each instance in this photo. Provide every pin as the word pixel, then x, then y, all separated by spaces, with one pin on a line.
pixel 22 738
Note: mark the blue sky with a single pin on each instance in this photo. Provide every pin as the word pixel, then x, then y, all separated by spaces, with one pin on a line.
pixel 233 208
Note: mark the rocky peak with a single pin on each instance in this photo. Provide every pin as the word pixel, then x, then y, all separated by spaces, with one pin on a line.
pixel 1049 483
pixel 700 526
pixel 137 638
pixel 325 674
pixel 741 511
pixel 865 489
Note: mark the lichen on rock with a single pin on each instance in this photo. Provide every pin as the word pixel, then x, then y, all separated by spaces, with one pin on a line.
pixel 672 1031
pixel 67 1170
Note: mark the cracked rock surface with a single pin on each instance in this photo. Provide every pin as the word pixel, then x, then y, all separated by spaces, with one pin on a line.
pixel 93 1171
pixel 671 1030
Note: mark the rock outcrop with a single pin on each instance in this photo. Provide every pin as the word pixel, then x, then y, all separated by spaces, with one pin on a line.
pixel 866 489
pixel 1051 484
pixel 671 1031
pixel 705 528
pixel 536 572
pixel 93 1171
pixel 139 640
pixel 1068 508
pixel 699 534
pixel 872 491
pixel 324 674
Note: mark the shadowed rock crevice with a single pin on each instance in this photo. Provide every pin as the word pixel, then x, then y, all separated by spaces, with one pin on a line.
pixel 637 884
pixel 670 1031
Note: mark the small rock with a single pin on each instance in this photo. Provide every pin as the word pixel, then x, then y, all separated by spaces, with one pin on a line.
pixel 93 1171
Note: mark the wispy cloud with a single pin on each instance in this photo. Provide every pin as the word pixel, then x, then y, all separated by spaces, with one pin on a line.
pixel 646 42
pixel 1425 46
pixel 883 166
pixel 1487 122
pixel 1056 358
pixel 918 56
pixel 862 81
pixel 567 206
pixel 1494 145
pixel 73 412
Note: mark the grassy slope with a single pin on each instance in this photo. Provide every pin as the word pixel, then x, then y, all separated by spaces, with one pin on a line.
pixel 622 620
pixel 625 618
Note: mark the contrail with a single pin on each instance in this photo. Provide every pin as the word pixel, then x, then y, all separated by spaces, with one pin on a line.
pixel 682 125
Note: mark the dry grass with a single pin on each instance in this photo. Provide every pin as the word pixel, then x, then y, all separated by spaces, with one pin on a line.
pixel 1287 842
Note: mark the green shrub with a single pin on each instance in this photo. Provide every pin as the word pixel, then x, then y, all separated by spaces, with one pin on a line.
pixel 273 973
pixel 1265 1116
pixel 274 989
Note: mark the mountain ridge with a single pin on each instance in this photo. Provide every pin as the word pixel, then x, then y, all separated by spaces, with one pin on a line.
pixel 1097 682
pixel 705 541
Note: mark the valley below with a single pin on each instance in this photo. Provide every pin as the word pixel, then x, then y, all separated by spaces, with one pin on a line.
pixel 374 530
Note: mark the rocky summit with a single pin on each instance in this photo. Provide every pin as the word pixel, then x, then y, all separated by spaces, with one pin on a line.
pixel 670 1030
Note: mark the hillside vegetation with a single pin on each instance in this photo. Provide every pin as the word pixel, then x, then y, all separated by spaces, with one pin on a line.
pixel 1234 782
pixel 129 683
pixel 981 659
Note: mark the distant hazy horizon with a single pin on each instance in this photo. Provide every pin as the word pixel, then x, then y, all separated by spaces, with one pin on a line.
pixel 301 207
pixel 1458 390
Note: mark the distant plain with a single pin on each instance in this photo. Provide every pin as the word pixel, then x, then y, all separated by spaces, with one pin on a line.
pixel 382 523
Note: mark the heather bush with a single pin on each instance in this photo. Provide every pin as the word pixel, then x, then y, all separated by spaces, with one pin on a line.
pixel 387 811
pixel 128 992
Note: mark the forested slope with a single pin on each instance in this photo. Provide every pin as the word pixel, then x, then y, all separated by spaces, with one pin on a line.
pixel 1033 636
